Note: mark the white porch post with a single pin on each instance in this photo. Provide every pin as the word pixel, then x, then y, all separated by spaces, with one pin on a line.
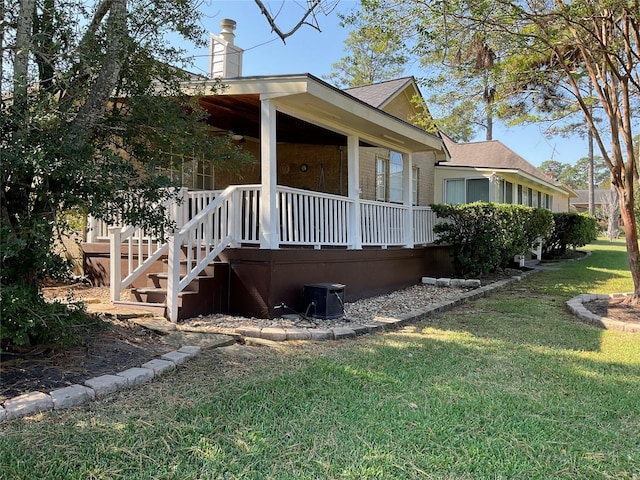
pixel 268 173
pixel 353 174
pixel 407 200
pixel 115 280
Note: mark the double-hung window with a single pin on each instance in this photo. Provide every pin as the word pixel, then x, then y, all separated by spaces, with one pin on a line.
pixel 389 178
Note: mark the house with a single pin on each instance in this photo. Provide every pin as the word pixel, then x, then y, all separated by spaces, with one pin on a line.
pixel 603 198
pixel 490 171
pixel 339 195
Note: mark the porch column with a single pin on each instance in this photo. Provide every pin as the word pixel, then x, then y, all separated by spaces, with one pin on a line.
pixel 353 174
pixel 407 200
pixel 268 175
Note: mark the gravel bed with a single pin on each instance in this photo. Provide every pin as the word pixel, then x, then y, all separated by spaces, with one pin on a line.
pixel 362 311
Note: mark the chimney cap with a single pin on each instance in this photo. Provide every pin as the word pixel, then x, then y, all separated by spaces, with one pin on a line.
pixel 228 26
pixel 227 23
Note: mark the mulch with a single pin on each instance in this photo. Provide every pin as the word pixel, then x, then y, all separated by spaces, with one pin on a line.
pixel 117 346
pixel 615 309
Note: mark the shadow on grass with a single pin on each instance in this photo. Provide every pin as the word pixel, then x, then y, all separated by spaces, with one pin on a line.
pixel 519 316
pixel 606 270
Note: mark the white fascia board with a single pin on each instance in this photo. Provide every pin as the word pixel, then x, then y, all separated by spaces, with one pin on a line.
pixel 289 85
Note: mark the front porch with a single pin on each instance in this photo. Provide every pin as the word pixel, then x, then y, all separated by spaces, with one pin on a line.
pixel 335 177
pixel 371 247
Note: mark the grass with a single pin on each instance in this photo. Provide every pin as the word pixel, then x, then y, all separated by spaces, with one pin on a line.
pixel 509 386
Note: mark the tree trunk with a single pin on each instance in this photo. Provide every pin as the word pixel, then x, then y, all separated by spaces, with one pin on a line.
pixel 613 211
pixel 21 60
pixel 592 200
pixel 631 239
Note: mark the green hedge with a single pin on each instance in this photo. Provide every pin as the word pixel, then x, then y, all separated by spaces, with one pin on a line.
pixel 486 236
pixel 570 230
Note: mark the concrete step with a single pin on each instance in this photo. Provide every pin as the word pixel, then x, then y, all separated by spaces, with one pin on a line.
pixel 152 308
pixel 158 295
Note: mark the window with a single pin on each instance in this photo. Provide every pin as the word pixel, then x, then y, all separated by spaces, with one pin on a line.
pixel 454 191
pixel 529 197
pixel 381 179
pixel 508 192
pixel 395 177
pixel 520 195
pixel 477 190
pixel 457 191
pixel 193 173
pixel 389 178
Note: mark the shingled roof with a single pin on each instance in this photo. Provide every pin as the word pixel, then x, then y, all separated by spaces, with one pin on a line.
pixel 490 154
pixel 378 94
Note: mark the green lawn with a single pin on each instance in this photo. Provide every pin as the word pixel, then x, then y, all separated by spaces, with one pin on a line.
pixel 508 386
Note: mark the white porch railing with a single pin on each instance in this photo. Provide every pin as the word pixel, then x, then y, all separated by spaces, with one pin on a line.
pixel 424 219
pixel 312 218
pixel 382 224
pixel 188 206
pixel 231 217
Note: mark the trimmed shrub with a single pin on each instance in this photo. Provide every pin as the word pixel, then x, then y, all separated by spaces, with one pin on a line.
pixel 570 230
pixel 486 236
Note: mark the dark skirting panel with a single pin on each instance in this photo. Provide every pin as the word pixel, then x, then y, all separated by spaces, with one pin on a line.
pixel 261 280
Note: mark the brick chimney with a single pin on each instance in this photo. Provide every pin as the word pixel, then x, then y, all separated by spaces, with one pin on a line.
pixel 225 59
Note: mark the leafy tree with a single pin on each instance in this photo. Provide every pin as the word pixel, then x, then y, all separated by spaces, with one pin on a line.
pixel 92 104
pixel 557 57
pixel 460 59
pixel 577 175
pixel 373 58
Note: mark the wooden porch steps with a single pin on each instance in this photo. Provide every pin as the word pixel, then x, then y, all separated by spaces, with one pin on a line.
pixel 205 294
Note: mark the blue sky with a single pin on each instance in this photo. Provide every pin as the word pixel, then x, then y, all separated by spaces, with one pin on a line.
pixel 311 51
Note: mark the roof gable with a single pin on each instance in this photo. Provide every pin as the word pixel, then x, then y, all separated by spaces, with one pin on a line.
pixel 380 94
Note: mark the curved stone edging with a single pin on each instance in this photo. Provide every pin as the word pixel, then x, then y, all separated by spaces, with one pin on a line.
pixel 577 308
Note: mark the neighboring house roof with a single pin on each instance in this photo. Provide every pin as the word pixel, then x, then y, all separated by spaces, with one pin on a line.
pixel 379 94
pixel 601 195
pixel 493 154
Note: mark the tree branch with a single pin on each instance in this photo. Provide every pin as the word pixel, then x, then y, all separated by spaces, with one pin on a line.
pixel 312 6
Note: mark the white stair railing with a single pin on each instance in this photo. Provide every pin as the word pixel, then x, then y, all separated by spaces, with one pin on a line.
pixel 203 238
pixel 141 252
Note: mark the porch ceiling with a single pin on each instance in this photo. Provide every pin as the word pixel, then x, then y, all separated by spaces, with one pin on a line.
pixel 241 114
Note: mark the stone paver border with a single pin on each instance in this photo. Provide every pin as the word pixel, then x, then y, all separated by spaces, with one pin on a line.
pixel 577 308
pixel 74 395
